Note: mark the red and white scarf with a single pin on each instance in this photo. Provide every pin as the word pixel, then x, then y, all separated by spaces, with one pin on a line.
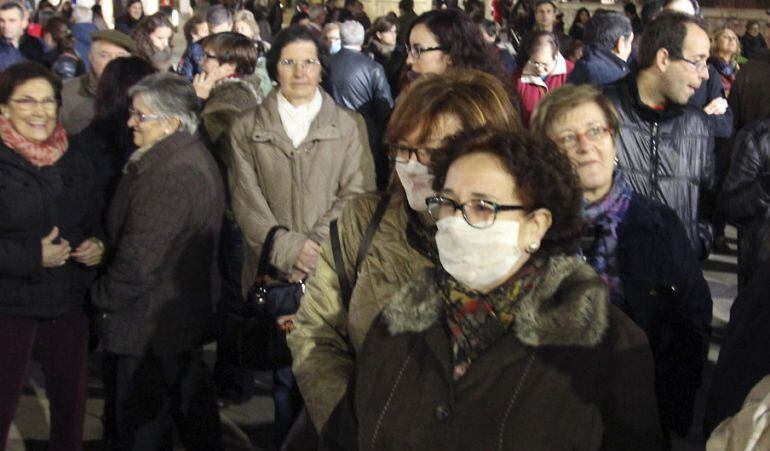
pixel 39 154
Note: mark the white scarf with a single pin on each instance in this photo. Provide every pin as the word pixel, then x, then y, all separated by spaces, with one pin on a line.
pixel 296 120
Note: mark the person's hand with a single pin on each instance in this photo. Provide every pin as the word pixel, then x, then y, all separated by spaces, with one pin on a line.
pixel 307 257
pixel 202 84
pixel 54 255
pixel 296 275
pixel 286 323
pixel 716 106
pixel 90 252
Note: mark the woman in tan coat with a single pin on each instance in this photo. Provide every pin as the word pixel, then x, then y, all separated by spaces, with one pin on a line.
pixel 295 161
pixel 327 332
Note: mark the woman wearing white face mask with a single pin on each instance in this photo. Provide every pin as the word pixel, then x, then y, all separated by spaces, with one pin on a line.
pixel 329 329
pixel 511 344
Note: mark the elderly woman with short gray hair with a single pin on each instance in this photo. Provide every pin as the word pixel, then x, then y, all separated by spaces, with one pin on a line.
pixel 160 282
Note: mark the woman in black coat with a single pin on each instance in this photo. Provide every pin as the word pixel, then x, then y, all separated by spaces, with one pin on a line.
pixel 638 246
pixel 48 245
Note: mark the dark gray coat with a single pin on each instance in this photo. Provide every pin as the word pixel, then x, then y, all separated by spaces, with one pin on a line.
pixel 161 280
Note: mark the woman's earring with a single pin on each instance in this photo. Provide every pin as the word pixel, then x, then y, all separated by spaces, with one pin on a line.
pixel 532 248
pixel 616 161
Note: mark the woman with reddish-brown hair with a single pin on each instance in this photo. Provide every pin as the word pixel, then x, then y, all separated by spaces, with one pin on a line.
pixel 153 40
pixel 330 327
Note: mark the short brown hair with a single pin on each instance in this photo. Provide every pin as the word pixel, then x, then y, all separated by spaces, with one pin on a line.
pixel 382 24
pixel 191 26
pixel 559 101
pixel 234 48
pixel 474 97
pixel 544 178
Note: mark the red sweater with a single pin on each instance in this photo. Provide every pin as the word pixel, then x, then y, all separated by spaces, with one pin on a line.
pixel 532 88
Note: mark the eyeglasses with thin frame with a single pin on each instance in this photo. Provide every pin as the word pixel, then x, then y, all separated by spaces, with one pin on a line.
pixel 309 64
pixel 478 213
pixel 415 50
pixel 141 117
pixel 402 154
pixel 28 103
pixel 571 140
pixel 699 65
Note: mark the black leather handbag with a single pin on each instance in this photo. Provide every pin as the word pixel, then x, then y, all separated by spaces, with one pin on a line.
pixel 261 342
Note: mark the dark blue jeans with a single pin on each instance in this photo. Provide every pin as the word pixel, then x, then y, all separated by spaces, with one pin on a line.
pixel 288 403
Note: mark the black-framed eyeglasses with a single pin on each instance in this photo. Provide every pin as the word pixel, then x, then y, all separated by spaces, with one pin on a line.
pixel 415 50
pixel 698 65
pixel 477 213
pixel 210 56
pixel 141 117
pixel 402 154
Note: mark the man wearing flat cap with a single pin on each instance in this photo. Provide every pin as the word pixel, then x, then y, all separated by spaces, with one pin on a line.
pixel 79 94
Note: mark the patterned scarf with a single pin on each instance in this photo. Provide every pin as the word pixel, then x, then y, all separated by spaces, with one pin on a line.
pixel 476 320
pixel 599 247
pixel 39 154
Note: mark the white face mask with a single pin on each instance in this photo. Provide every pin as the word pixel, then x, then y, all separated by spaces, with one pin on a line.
pixel 417 182
pixel 478 258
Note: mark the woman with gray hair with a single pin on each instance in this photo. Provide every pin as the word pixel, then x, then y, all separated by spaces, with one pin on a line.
pixel 160 280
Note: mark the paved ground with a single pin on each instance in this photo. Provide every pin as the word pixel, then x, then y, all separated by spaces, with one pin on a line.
pixel 247 426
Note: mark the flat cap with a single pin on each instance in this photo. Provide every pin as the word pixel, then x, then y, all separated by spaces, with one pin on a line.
pixel 115 37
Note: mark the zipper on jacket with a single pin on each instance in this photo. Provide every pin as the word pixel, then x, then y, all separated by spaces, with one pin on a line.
pixel 512 402
pixel 655 161
pixel 388 401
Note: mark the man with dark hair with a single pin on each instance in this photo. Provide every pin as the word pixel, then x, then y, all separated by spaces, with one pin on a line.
pixel 665 146
pixel 629 9
pixel 609 41
pixel 406 16
pixel 15 45
pixel 546 20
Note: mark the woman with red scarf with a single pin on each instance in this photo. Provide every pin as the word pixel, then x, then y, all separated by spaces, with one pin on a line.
pixel 49 220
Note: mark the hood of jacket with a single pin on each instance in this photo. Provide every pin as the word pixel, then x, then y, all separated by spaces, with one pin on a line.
pixel 567 307
pixel 599 65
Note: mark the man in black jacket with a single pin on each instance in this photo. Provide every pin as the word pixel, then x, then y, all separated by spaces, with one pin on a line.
pixel 359 83
pixel 609 41
pixel 666 147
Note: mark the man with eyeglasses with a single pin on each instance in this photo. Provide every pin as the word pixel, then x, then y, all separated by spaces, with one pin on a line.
pixel 665 146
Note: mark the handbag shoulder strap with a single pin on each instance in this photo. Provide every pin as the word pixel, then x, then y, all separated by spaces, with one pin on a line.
pixel 264 257
pixel 346 289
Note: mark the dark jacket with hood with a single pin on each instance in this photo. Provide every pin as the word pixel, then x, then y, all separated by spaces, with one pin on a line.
pixel 598 67
pixel 721 124
pixel 33 201
pixel 745 197
pixel 572 372
pixel 667 155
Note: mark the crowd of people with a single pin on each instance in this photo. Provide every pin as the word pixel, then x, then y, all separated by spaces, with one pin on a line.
pixel 496 224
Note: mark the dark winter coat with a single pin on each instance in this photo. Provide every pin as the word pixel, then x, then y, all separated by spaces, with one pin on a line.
pixel 392 60
pixel 126 24
pixel 191 63
pixel 743 357
pixel 753 47
pixel 598 66
pixel 666 295
pixel 721 124
pixel 161 280
pixel 666 155
pixel 32 202
pixel 573 372
pixel 745 198
pixel 749 97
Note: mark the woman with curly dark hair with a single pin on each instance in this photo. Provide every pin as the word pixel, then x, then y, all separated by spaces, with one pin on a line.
pixel 448 38
pixel 153 41
pixel 511 343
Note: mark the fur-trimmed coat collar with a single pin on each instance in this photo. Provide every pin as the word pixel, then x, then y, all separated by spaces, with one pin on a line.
pixel 567 307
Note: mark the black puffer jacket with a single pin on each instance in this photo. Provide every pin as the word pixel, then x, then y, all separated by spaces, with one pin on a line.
pixel 666 155
pixel 32 202
pixel 745 198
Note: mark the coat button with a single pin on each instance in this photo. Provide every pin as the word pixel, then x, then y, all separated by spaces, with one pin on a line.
pixel 441 413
